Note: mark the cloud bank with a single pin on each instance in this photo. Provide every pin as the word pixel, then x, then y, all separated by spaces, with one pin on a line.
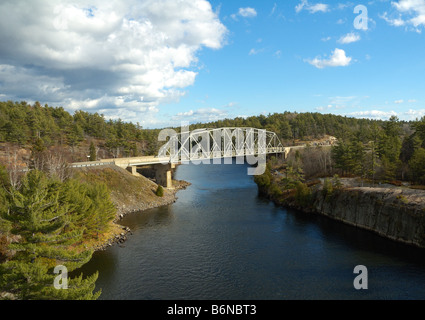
pixel 119 58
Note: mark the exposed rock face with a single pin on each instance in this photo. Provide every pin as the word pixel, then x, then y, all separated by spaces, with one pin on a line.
pixel 396 213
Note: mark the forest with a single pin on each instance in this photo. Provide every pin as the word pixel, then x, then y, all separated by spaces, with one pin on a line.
pixel 47 217
pixel 388 150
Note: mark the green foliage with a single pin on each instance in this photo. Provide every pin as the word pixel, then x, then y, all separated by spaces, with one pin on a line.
pixel 4 177
pixel 293 175
pixel 52 219
pixel 160 191
pixel 275 191
pixel 371 149
pixel 336 182
pixel 35 281
pixel 92 152
pixel 331 185
pixel 303 195
pixel 263 181
pixel 403 199
pixel 419 126
pixel 417 166
pixel 366 148
pixel 44 126
pixel 328 187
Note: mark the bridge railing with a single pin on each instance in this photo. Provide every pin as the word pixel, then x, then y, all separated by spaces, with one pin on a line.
pixel 90 164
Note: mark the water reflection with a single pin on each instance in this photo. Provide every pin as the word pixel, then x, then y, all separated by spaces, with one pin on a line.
pixel 220 241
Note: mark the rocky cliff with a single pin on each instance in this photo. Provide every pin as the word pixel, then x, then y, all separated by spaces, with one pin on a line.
pixel 395 213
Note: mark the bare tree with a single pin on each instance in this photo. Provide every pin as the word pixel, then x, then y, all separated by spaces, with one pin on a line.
pixel 52 162
pixel 56 166
pixel 16 168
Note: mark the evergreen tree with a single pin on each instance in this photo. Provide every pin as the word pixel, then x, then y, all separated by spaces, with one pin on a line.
pixel 52 219
pixel 92 152
pixel 389 148
pixel 417 166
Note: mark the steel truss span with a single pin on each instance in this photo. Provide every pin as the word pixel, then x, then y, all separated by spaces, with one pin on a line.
pixel 218 143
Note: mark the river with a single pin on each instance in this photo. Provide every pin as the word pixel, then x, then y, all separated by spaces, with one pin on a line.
pixel 220 241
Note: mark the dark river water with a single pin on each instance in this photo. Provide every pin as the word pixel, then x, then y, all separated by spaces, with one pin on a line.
pixel 220 241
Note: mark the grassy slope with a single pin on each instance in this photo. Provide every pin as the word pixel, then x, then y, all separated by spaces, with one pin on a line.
pixel 129 194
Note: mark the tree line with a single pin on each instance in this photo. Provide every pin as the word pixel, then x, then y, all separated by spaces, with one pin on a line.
pixel 45 126
pixel 389 150
pixel 293 126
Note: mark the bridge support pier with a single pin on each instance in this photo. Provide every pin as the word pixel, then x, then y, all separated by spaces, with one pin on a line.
pixel 163 175
pixel 133 170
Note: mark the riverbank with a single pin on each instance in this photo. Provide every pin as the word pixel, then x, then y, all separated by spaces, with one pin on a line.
pixel 129 194
pixel 394 212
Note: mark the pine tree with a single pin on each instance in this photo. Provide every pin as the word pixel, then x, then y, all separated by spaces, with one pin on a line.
pixel 92 152
pixel 417 166
pixel 389 148
pixel 50 225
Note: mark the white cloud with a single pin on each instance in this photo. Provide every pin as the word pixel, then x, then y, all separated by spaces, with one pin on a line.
pixel 201 115
pixel 321 108
pixel 349 38
pixel 410 13
pixel 312 8
pixel 230 105
pixel 274 9
pixel 373 114
pixel 320 7
pixel 399 101
pixel 396 22
pixel 414 114
pixel 416 7
pixel 247 12
pixel 244 12
pixel 338 59
pixel 254 51
pixel 105 55
pixel 343 6
pixel 409 115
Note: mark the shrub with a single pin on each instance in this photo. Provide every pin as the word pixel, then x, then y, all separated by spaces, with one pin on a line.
pixel 336 182
pixel 160 191
pixel 327 187
pixel 303 194
pixel 275 190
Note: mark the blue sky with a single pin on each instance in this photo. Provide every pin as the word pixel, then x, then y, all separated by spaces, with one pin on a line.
pixel 162 62
pixel 264 67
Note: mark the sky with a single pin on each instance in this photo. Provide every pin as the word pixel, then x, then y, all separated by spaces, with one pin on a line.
pixel 161 62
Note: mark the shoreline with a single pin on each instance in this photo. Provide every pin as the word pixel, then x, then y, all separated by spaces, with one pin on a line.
pixel 118 234
pixel 396 213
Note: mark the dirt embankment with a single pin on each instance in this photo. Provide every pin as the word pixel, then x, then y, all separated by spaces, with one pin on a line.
pixel 129 194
